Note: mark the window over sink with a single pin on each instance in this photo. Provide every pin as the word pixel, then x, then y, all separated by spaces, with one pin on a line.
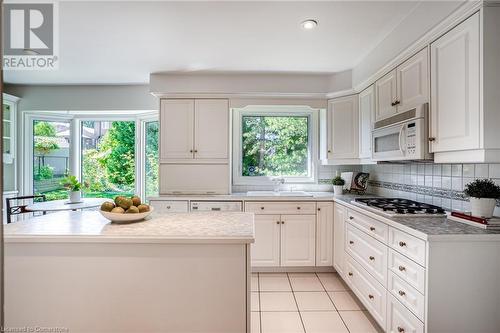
pixel 274 142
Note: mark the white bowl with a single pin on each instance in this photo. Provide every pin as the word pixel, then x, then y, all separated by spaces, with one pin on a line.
pixel 126 218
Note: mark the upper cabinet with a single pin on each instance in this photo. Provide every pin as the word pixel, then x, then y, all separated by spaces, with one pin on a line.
pixel 366 116
pixel 9 128
pixel 194 130
pixel 404 87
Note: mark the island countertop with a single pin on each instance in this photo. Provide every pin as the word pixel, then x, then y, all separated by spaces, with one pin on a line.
pixel 91 226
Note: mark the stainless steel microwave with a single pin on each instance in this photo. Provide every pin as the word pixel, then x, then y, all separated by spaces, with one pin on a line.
pixel 403 136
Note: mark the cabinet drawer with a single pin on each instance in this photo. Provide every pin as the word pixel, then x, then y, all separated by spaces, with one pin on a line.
pixel 376 229
pixel 370 292
pixel 407 295
pixel 289 208
pixel 169 206
pixel 408 270
pixel 410 246
pixel 400 320
pixel 222 206
pixel 369 252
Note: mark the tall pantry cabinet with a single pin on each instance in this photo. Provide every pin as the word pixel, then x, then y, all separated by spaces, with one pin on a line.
pixel 194 146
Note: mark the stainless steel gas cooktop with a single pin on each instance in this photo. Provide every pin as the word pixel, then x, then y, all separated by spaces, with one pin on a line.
pixel 395 207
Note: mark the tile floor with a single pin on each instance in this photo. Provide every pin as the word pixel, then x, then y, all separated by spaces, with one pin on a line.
pixel 306 303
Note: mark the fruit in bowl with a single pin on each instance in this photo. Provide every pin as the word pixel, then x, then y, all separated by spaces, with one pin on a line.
pixel 123 209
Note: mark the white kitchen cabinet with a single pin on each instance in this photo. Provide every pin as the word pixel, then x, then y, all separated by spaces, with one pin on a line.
pixel 339 216
pixel 386 96
pixel 455 93
pixel 342 128
pixel 266 249
pixel 298 240
pixel 413 81
pixel 194 130
pixel 9 117
pixel 324 234
pixel 366 117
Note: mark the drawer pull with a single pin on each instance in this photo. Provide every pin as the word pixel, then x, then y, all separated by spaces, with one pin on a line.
pixel 351 217
pixel 282 222
pixel 372 258
pixel 372 228
pixel 401 293
pixel 370 296
pixel 319 209
pixel 168 207
pixel 261 208
pixel 298 207
pixel 402 244
pixel 278 222
pixel 351 242
pixel 350 274
pixel 400 329
pixel 402 268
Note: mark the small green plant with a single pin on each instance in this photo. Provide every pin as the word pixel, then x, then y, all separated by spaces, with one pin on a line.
pixel 482 188
pixel 44 172
pixel 71 183
pixel 338 181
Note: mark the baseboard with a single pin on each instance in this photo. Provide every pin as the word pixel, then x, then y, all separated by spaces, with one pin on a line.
pixel 312 269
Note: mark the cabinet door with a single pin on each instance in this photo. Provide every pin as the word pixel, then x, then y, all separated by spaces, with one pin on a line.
pixel 344 125
pixel 298 234
pixel 455 103
pixel 413 81
pixel 385 95
pixel 339 215
pixel 176 129
pixel 266 249
pixel 211 129
pixel 324 234
pixel 366 115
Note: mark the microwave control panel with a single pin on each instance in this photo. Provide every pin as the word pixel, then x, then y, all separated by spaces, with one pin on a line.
pixel 411 139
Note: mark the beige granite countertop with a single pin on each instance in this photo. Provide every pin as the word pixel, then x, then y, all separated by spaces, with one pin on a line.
pixel 91 226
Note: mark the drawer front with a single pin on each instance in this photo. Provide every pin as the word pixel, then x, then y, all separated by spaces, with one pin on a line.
pixel 407 270
pixel 410 246
pixel 288 208
pixel 376 229
pixel 169 206
pixel 224 206
pixel 400 320
pixel 407 295
pixel 371 293
pixel 369 252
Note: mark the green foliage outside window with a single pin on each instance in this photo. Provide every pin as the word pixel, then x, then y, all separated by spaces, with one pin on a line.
pixel 275 146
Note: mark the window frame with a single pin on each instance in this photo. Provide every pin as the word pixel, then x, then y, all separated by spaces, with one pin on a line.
pixel 276 111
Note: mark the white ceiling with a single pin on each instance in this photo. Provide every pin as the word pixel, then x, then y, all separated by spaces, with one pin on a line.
pixel 123 42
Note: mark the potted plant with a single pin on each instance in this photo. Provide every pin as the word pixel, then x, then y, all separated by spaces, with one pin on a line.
pixel 74 188
pixel 483 194
pixel 338 185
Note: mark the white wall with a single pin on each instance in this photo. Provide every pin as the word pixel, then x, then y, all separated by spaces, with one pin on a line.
pixel 83 97
pixel 423 18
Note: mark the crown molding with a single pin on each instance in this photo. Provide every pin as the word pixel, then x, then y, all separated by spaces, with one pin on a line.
pixel 240 95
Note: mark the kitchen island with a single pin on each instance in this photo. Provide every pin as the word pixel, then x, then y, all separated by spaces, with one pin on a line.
pixel 172 273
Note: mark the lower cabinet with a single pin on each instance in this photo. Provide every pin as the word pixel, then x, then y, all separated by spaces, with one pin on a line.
pixel 266 249
pixel 339 216
pixel 324 234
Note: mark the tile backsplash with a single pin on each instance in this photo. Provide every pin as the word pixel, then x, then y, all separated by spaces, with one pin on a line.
pixel 438 184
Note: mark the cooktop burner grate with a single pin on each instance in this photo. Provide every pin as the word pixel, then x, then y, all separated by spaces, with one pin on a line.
pixel 396 206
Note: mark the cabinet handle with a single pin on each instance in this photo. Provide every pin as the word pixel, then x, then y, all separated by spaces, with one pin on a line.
pixel 431 139
pixel 277 222
pixel 401 293
pixel 191 151
pixel 319 209
pixel 282 222
pixel 298 207
pixel 261 208
pixel 402 268
pixel 372 228
pixel 351 217
pixel 370 296
pixel 329 151
pixel 351 242
pixel 168 207
pixel 400 329
pixel 402 244
pixel 195 151
pixel 350 274
pixel 372 258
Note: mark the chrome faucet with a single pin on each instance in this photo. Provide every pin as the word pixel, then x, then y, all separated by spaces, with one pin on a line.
pixel 277 183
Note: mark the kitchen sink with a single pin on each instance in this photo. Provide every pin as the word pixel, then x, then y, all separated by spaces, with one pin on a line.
pixel 279 194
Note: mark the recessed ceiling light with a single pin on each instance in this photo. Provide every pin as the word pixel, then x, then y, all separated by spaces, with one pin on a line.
pixel 309 24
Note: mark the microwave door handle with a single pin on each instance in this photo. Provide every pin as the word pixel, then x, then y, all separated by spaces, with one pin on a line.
pixel 401 132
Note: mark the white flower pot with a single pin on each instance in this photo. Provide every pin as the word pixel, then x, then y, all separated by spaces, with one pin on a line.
pixel 482 207
pixel 75 196
pixel 337 189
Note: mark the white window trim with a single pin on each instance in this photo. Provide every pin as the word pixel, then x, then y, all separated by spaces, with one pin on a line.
pixel 75 118
pixel 275 110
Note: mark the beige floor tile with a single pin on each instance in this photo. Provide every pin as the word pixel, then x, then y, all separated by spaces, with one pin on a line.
pixel 323 322
pixel 360 322
pixel 274 282
pixel 305 282
pixel 254 300
pixel 281 322
pixel 314 301
pixel 332 282
pixel 345 301
pixel 277 301
pixel 255 282
pixel 255 322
